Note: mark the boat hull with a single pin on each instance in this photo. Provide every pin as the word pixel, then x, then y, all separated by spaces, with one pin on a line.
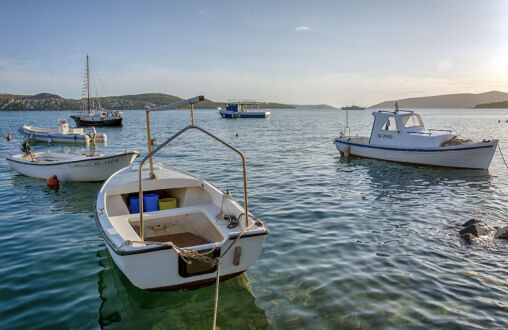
pixel 53 136
pixel 246 114
pixel 467 156
pixel 159 267
pixel 96 168
pixel 159 270
pixel 98 121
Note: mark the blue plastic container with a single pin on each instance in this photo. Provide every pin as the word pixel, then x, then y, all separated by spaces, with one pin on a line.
pixel 150 202
pixel 134 204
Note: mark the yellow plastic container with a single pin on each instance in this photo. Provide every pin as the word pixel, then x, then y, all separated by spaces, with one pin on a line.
pixel 168 203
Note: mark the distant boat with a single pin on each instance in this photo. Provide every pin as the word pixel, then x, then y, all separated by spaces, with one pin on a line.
pixel 71 167
pixel 65 134
pixel 400 136
pixel 353 107
pixel 239 109
pixel 92 114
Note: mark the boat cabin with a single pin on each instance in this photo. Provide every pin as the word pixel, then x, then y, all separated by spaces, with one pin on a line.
pixel 403 128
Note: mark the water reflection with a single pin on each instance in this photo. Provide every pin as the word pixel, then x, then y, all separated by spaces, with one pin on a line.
pixel 125 306
pixel 406 178
pixel 69 197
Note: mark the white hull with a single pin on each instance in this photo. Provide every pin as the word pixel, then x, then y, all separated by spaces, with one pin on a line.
pixel 68 167
pixel 51 135
pixel 468 155
pixel 157 267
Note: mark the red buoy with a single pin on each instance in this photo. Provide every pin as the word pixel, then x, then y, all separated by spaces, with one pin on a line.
pixel 152 142
pixel 8 137
pixel 236 134
pixel 53 181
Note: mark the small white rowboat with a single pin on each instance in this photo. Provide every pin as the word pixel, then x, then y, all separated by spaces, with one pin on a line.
pixel 71 167
pixel 65 134
pixel 169 230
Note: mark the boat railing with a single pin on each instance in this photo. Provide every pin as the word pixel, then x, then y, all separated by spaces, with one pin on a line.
pixel 190 102
pixel 395 112
pixel 440 130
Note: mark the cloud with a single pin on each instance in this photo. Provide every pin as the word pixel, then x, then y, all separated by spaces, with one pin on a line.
pixel 302 28
pixel 445 64
pixel 202 12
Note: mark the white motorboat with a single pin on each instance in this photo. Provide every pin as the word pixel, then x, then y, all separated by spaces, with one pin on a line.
pixel 400 136
pixel 238 109
pixel 169 230
pixel 71 167
pixel 65 133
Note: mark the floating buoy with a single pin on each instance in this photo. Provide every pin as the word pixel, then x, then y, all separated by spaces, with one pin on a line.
pixel 8 137
pixel 152 142
pixel 237 134
pixel 53 181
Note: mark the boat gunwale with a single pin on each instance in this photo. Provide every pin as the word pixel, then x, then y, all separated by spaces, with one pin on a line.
pixel 64 162
pixel 490 144
pixel 152 248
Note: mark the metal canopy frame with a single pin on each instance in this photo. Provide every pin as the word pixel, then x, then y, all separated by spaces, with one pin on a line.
pixel 151 152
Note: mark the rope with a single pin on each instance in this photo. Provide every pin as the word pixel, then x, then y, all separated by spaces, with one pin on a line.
pixel 502 156
pixel 188 254
pixel 307 147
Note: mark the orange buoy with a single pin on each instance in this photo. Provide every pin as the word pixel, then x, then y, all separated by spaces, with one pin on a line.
pixel 236 134
pixel 152 142
pixel 53 181
pixel 8 137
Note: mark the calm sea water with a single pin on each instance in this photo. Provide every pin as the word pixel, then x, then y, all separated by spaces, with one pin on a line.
pixel 354 243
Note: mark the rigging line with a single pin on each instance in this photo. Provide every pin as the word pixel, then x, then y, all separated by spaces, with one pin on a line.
pixel 100 80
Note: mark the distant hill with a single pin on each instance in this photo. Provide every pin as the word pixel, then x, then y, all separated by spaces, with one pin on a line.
pixel 47 101
pixel 464 100
pixel 493 105
pixel 314 106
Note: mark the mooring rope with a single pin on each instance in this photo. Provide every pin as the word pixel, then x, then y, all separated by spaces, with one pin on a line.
pixel 306 147
pixel 188 254
pixel 502 156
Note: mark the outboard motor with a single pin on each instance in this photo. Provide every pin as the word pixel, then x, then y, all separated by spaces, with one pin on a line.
pixel 92 133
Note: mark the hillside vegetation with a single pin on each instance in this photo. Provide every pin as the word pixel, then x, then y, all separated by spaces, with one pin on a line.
pixel 46 101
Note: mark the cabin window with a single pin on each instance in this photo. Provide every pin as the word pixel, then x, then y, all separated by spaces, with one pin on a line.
pixel 412 121
pixel 390 125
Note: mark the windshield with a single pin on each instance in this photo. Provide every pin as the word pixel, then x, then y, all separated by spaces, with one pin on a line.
pixel 412 121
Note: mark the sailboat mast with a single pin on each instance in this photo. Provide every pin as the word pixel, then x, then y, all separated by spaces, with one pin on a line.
pixel 87 84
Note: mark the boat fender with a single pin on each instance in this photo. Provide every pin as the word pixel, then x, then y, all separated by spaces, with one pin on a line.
pixel 52 181
pixel 8 137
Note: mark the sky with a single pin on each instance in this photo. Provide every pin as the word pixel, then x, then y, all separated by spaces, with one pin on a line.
pixel 298 52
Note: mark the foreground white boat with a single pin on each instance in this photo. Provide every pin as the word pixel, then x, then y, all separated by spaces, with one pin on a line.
pixel 65 134
pixel 201 236
pixel 71 167
pixel 400 136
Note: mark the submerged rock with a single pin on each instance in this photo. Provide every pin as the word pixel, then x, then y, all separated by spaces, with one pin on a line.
pixel 477 229
pixel 471 222
pixel 468 238
pixel 502 233
pixel 474 228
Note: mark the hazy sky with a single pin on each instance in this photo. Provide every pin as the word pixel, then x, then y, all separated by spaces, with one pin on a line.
pixel 306 52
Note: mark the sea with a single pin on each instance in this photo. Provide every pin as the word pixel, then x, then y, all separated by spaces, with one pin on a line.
pixel 354 243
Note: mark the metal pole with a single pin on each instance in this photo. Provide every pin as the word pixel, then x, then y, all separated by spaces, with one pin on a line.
pixel 152 176
pixel 192 114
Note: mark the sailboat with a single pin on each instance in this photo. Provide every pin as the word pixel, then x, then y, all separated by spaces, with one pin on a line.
pixel 92 114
